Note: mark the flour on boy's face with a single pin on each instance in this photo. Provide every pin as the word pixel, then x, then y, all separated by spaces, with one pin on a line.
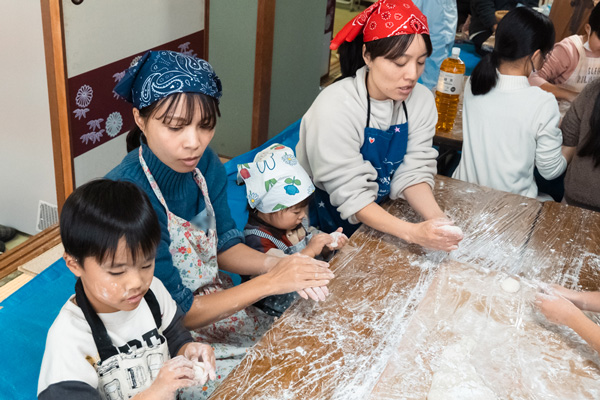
pixel 116 284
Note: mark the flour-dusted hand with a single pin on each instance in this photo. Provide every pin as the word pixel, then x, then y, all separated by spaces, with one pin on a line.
pixel 556 308
pixel 298 272
pixel 339 239
pixel 316 244
pixel 175 373
pixel 436 234
pixel 204 353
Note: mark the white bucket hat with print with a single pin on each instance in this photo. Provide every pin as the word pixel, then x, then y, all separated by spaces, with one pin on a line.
pixel 275 180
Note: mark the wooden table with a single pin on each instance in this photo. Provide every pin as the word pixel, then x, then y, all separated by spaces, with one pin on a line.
pixel 396 311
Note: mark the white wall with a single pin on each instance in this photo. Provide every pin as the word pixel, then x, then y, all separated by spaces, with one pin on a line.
pixel 26 160
pixel 98 33
pixel 297 55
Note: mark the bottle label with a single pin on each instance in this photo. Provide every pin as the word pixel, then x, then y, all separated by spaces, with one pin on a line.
pixel 450 83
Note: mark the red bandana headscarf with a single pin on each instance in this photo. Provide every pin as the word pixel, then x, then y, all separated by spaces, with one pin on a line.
pixel 385 18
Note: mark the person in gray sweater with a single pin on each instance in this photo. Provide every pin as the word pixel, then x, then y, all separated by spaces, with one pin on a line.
pixel 369 136
pixel 581 138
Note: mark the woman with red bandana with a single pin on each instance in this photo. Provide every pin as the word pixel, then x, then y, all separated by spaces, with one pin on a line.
pixel 369 136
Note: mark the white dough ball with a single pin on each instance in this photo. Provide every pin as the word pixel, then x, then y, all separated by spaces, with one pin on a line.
pixel 510 285
pixel 453 229
pixel 200 371
pixel 336 236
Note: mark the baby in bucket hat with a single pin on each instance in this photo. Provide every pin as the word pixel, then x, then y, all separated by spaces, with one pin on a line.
pixel 279 190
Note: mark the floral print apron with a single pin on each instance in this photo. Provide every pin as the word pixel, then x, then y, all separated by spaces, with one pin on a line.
pixel 194 254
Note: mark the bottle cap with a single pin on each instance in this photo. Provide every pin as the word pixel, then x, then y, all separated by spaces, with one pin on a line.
pixel 456 51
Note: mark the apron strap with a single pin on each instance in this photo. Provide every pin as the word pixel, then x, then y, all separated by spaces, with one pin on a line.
pixel 105 347
pixel 280 245
pixel 99 333
pixel 154 307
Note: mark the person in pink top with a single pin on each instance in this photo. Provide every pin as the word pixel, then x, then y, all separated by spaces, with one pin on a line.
pixel 573 63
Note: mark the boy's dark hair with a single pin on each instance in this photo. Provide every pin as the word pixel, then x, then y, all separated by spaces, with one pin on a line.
pixel 101 212
pixel 520 33
pixel 594 20
pixel 209 106
pixel 391 48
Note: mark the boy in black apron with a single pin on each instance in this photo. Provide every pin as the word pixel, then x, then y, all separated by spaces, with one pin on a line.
pixel 115 337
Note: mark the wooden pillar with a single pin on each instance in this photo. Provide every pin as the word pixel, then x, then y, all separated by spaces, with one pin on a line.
pixel 265 28
pixel 56 71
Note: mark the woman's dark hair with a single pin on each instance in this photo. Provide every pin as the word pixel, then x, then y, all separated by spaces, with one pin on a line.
pixel 520 33
pixel 101 212
pixel 209 107
pixel 591 147
pixel 594 20
pixel 391 48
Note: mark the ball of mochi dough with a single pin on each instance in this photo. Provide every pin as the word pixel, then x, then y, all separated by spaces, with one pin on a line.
pixel 453 229
pixel 510 285
pixel 200 371
pixel 335 236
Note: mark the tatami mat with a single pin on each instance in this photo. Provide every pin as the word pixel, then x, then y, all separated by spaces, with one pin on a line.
pixel 41 262
pixel 9 288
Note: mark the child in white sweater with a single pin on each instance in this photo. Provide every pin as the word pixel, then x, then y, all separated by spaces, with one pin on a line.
pixel 510 127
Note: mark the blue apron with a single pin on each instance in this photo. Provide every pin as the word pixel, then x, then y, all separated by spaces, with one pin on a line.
pixel 385 150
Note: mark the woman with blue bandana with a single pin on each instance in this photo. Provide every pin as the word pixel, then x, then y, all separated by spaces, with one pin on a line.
pixel 176 104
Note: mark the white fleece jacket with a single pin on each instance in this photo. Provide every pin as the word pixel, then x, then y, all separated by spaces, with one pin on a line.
pixel 508 131
pixel 332 133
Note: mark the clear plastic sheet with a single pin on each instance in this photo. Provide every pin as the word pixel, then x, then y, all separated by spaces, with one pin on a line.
pixel 397 314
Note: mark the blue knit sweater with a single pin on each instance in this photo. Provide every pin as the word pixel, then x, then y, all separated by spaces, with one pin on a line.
pixel 185 200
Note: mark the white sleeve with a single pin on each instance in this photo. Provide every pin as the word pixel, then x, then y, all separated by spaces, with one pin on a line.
pixel 548 155
pixel 419 163
pixel 331 135
pixel 69 353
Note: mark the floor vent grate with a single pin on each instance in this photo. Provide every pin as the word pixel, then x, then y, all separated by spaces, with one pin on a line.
pixel 47 215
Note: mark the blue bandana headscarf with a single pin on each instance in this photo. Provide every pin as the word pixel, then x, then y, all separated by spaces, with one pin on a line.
pixel 161 73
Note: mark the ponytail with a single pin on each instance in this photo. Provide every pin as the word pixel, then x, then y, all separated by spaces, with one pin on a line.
pixel 520 33
pixel 351 59
pixel 591 148
pixel 135 138
pixel 484 76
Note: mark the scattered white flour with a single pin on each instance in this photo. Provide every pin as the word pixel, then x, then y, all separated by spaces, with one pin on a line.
pixel 200 372
pixel 456 378
pixel 301 350
pixel 453 229
pixel 510 285
pixel 336 236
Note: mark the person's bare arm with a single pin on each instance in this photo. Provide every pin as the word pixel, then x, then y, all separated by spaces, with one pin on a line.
pixel 244 260
pixel 420 197
pixel 425 233
pixel 560 93
pixel 291 274
pixel 560 310
pixel 568 152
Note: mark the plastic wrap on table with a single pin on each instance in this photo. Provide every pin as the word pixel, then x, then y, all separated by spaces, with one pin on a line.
pixel 397 314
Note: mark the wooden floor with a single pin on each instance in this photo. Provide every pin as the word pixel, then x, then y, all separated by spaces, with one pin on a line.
pixel 334 72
